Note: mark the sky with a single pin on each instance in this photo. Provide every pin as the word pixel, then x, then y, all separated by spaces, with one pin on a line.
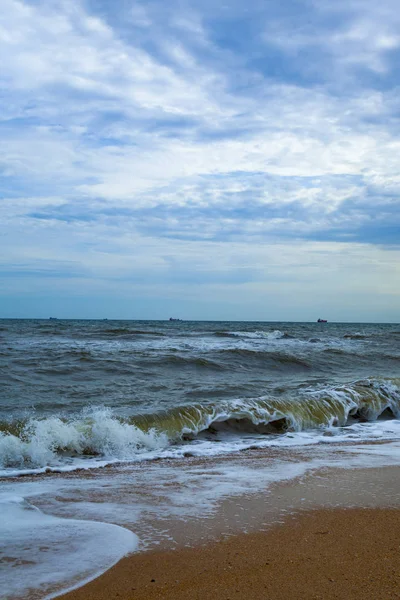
pixel 202 160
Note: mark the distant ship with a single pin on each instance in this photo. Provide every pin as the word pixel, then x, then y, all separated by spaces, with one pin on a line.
pixel 172 319
pixel 322 321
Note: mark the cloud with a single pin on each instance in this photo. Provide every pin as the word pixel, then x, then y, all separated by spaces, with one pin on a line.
pixel 135 134
pixel 349 37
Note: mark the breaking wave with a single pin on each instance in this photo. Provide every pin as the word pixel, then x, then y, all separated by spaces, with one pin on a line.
pixel 38 442
pixel 355 336
pixel 263 335
pixel 41 442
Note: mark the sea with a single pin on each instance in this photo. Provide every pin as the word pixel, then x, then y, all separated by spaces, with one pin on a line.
pixel 112 430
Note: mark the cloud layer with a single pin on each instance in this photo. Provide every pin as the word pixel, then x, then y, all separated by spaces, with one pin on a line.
pixel 200 155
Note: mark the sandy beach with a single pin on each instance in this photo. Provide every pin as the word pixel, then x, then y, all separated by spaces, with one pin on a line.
pixel 322 554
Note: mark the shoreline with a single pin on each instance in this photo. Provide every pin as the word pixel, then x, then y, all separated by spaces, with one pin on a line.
pixel 253 517
pixel 181 527
pixel 349 553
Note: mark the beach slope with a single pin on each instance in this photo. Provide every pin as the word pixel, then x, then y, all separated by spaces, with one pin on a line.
pixel 324 554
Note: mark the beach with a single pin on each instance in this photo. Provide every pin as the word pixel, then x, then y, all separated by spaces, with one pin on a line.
pixel 331 534
pixel 322 554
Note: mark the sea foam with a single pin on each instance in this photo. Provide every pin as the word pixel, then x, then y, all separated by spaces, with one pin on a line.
pixel 43 555
pixel 96 437
pixel 42 441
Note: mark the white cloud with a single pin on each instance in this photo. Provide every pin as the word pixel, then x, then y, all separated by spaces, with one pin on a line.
pixel 365 38
pixel 292 131
pixel 94 120
pixel 64 46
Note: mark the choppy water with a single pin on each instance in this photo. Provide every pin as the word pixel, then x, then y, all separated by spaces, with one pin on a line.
pixel 81 394
pixel 74 391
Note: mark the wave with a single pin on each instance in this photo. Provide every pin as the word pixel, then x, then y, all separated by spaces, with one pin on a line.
pixel 370 356
pixel 264 335
pixel 278 357
pixel 363 400
pixel 39 442
pixel 81 354
pixel 178 360
pixel 221 359
pixel 55 329
pixel 128 331
pixel 47 441
pixel 358 335
pixel 355 336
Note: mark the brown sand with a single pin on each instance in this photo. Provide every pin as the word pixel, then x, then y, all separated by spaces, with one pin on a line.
pixel 325 554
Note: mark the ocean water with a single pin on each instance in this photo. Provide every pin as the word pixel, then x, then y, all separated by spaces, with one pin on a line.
pixel 126 402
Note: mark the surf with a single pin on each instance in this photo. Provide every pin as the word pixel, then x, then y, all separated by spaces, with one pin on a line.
pixel 58 441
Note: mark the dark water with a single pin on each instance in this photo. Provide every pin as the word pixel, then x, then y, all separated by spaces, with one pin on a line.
pixel 159 383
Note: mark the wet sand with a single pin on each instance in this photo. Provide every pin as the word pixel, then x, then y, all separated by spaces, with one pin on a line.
pixel 322 554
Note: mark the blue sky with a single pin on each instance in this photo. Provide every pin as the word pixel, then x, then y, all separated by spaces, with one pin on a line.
pixel 213 160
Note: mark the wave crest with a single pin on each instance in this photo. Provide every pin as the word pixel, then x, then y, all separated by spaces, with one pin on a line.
pixel 41 442
pixel 263 335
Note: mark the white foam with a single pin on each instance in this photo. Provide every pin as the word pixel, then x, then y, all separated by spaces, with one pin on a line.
pixel 53 443
pixel 61 552
pixel 225 442
pixel 259 334
pixel 270 340
pixel 97 437
pixel 46 554
pixel 231 442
